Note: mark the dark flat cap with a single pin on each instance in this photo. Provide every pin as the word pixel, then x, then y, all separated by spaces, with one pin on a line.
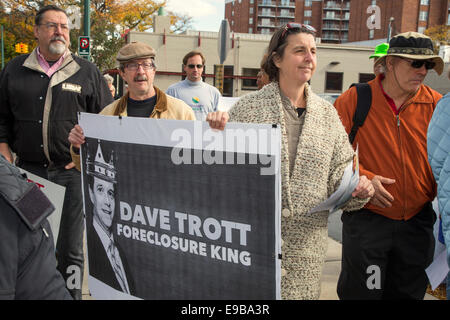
pixel 135 50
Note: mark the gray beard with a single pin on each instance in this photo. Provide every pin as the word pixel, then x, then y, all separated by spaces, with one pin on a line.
pixel 57 48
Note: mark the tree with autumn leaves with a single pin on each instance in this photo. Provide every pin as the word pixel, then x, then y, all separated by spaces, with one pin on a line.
pixel 110 21
pixel 440 35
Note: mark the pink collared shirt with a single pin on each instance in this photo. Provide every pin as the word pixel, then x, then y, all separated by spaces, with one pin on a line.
pixel 49 70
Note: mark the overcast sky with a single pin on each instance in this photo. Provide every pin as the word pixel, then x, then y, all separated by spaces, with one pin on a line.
pixel 207 14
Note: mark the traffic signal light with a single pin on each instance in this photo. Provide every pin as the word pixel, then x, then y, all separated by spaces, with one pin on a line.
pixel 21 47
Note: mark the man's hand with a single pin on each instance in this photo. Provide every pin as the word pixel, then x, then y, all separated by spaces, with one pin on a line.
pixel 217 119
pixel 4 150
pixel 76 136
pixel 381 198
pixel 70 166
pixel 364 189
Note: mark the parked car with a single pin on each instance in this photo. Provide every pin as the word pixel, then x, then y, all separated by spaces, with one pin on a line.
pixel 330 97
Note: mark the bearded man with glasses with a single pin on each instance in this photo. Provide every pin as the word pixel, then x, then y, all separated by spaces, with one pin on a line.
pixel 40 96
pixel 389 243
pixel 200 96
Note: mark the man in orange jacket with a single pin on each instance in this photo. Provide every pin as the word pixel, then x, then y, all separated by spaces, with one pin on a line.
pixel 388 244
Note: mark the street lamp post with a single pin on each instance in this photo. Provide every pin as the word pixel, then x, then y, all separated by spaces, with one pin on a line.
pixel 391 20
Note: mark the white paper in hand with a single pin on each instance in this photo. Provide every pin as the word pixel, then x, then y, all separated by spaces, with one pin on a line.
pixel 343 194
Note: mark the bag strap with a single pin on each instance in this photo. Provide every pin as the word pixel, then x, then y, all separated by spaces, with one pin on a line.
pixel 364 93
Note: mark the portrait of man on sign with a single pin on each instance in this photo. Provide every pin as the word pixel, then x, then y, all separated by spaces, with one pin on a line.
pixel 107 261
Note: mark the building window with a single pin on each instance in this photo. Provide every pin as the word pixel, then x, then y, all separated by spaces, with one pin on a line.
pixel 374 2
pixel 232 13
pixel 333 81
pixel 250 21
pixel 265 22
pixel 424 2
pixel 366 77
pixel 308 22
pixel 344 37
pixel 250 30
pixel 285 13
pixel 448 20
pixel 421 29
pixel 308 13
pixel 251 1
pixel 228 82
pixel 249 84
pixel 308 3
pixel 371 33
pixel 266 12
pixel 423 16
pixel 251 10
pixel 265 31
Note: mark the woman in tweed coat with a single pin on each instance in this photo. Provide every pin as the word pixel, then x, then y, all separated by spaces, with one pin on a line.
pixel 315 152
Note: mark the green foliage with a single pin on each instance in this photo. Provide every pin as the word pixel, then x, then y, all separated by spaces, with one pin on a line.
pixel 440 35
pixel 110 19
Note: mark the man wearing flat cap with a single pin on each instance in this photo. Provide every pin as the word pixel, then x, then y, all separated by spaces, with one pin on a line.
pixel 143 99
pixel 387 245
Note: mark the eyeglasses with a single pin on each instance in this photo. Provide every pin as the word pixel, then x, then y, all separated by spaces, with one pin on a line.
pixel 144 65
pixel 54 26
pixel 297 26
pixel 417 64
pixel 192 66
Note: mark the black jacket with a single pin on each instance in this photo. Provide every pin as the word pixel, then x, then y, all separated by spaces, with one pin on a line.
pixel 27 254
pixel 99 264
pixel 38 112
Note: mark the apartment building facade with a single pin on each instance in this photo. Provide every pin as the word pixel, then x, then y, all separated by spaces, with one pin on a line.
pixel 338 21
pixel 338 65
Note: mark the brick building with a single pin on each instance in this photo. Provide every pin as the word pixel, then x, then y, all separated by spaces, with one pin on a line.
pixel 338 21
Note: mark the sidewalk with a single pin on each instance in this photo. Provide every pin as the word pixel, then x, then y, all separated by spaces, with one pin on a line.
pixel 331 270
pixel 330 274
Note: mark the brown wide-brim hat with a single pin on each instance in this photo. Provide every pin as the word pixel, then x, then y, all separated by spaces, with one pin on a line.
pixel 416 46
pixel 135 50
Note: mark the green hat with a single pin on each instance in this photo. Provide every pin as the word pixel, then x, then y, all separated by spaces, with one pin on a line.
pixel 380 50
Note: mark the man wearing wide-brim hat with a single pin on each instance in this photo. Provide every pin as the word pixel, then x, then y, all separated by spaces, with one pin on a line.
pixel 137 68
pixel 389 243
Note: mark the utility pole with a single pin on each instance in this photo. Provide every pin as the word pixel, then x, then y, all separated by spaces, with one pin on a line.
pixel 87 21
pixel 3 49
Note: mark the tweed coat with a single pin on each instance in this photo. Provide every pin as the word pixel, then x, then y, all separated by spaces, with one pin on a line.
pixel 323 152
